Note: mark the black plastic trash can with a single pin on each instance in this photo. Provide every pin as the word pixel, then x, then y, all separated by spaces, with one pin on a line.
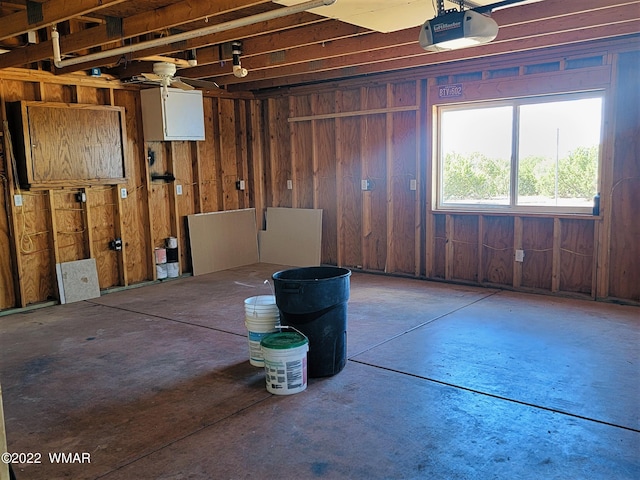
pixel 314 301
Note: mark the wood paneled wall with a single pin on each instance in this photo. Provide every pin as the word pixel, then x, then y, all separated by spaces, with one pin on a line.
pixel 322 145
pixel 327 140
pixel 311 147
pixel 53 227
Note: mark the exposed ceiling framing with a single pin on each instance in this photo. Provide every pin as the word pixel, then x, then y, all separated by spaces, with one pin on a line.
pixel 295 49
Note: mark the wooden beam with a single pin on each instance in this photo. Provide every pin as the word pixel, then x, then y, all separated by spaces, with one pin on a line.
pixel 140 24
pixel 53 11
pixel 361 56
pixel 206 55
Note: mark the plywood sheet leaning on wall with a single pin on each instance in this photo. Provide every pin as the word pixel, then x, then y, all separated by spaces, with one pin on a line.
pixel 222 240
pixel 77 280
pixel 293 237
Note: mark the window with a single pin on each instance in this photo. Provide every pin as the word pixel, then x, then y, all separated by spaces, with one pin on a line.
pixel 531 154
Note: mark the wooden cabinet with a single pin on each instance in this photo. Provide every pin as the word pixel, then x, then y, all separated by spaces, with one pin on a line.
pixel 60 144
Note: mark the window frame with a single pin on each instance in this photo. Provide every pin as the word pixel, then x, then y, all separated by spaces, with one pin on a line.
pixel 515 103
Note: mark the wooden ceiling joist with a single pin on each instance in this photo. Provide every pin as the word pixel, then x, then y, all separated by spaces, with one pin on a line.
pixel 54 11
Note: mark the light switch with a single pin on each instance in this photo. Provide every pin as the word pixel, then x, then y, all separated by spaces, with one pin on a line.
pixel 413 184
pixel 519 255
pixel 289 184
pixel 178 189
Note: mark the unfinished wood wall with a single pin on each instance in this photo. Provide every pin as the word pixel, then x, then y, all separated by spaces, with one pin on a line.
pixel 322 145
pixel 326 140
pixel 310 148
pixel 53 227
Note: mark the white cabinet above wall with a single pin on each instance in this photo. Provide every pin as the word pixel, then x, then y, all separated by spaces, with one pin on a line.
pixel 178 117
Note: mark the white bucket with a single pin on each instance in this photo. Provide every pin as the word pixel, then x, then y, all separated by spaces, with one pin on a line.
pixel 258 328
pixel 285 362
pixel 173 269
pixel 161 271
pixel 262 306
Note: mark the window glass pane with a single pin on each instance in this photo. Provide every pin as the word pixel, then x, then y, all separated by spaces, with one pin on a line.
pixel 475 149
pixel 558 152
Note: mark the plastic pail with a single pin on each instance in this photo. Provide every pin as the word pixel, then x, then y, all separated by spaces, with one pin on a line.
pixel 313 300
pixel 285 362
pixel 256 332
pixel 261 319
pixel 261 306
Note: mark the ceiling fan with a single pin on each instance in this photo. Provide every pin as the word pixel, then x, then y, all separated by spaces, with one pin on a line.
pixel 164 74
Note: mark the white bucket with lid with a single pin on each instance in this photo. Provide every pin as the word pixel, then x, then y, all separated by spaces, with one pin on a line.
pixel 261 318
pixel 285 362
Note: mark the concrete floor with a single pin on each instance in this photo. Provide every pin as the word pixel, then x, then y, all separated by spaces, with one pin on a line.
pixel 442 382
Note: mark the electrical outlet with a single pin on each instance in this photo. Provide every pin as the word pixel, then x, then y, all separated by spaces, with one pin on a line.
pixel 123 193
pixel 519 255
pixel 365 184
pixel 289 184
pixel 178 189
pixel 17 200
pixel 413 184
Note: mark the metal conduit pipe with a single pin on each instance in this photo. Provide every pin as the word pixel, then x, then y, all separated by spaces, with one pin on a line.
pixel 180 37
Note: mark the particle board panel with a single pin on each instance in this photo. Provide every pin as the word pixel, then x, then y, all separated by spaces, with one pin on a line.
pixel 537 243
pixel 58 92
pixel 228 153
pixel 34 234
pixel 15 90
pixel 576 255
pixel 77 280
pixel 301 152
pixel 293 237
pixel 92 95
pixel 256 163
pixel 440 245
pixel 325 186
pixel 159 206
pixel 185 203
pixel 134 214
pixel 222 240
pixel 210 166
pixel 624 265
pixel 71 229
pixel 374 168
pixel 102 212
pixel 7 290
pixel 402 241
pixel 280 162
pixel 404 94
pixel 465 247
pixel 348 152
pixel 497 250
pixel 243 140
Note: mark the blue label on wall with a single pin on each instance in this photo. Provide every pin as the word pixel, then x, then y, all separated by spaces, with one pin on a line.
pixel 450 91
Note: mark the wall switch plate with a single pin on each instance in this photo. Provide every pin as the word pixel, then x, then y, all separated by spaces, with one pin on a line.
pixel 123 193
pixel 413 184
pixel 289 184
pixel 17 200
pixel 242 185
pixel 519 255
pixel 365 184
pixel 178 189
